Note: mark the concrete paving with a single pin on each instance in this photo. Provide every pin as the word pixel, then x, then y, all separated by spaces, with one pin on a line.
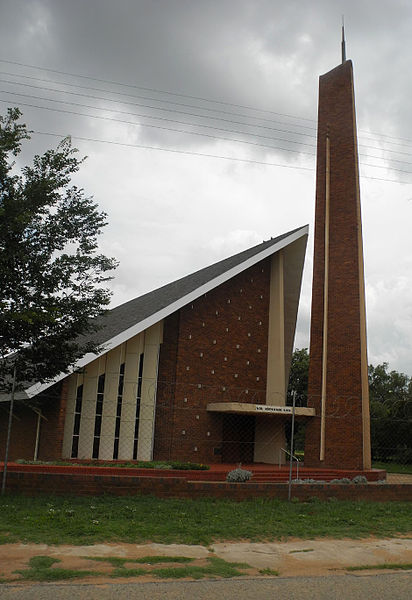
pixel 290 558
pixel 350 587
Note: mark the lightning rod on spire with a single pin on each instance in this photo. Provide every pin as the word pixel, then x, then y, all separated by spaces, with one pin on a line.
pixel 343 41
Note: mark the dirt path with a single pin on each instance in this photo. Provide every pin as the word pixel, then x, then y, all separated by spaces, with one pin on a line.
pixel 291 558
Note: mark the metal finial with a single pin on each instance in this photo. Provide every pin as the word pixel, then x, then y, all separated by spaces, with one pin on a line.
pixel 343 41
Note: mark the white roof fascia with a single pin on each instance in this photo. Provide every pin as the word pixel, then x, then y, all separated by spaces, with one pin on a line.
pixel 171 308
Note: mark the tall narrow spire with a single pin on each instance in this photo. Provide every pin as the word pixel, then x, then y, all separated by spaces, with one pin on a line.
pixel 339 436
pixel 343 44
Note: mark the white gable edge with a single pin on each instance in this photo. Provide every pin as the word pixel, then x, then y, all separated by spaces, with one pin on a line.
pixel 171 308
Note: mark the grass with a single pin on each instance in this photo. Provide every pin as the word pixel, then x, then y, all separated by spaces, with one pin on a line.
pixel 41 568
pixel 116 561
pixel 139 519
pixel 391 566
pixel 391 467
pixel 268 571
pixel 216 567
pixel 122 572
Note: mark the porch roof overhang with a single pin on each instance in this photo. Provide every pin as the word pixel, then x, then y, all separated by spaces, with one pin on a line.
pixel 243 408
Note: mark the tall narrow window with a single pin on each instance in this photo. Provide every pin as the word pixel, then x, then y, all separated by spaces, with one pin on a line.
pixel 76 425
pixel 98 418
pixel 118 413
pixel 138 399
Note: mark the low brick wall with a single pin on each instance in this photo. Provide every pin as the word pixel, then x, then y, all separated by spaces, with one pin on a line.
pixel 35 483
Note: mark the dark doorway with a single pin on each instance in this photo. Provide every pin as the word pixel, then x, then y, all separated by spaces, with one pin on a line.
pixel 238 438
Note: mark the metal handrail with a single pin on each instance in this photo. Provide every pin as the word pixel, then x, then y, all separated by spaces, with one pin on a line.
pixel 293 458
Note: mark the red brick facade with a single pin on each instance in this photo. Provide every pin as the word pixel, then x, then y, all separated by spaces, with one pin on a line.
pixel 25 422
pixel 214 350
pixel 82 484
pixel 23 432
pixel 346 348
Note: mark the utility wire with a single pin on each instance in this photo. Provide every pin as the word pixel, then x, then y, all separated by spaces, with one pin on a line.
pixel 172 110
pixel 122 112
pixel 186 132
pixel 85 87
pixel 251 134
pixel 203 154
pixel 157 91
pixel 177 151
pixel 177 94
pixel 62 91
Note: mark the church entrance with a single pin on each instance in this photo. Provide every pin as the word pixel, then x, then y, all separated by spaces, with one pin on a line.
pixel 238 438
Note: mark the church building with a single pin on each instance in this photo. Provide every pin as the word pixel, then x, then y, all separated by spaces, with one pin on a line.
pixel 196 370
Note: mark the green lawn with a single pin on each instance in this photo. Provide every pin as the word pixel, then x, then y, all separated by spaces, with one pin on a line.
pixel 86 520
pixel 390 467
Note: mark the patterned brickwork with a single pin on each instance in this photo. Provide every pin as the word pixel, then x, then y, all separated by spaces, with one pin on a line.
pixel 346 347
pixel 214 351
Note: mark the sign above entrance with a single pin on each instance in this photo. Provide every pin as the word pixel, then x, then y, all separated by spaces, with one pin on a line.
pixel 243 408
pixel 273 409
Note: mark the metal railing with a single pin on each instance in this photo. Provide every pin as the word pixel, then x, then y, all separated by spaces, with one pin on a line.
pixel 292 456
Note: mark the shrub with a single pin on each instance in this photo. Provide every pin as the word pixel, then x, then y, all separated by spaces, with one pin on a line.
pixel 238 475
pixel 359 479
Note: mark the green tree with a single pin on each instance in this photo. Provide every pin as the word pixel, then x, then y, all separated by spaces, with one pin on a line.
pixel 298 377
pixel 390 407
pixel 298 383
pixel 391 414
pixel 51 270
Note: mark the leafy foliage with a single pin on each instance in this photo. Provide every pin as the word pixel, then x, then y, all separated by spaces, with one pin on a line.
pixel 298 377
pixel 390 407
pixel 391 414
pixel 51 267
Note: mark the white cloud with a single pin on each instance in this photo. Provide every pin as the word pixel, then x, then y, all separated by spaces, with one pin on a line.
pixel 170 214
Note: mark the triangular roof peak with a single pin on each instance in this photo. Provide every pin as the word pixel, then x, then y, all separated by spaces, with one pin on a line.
pixel 131 318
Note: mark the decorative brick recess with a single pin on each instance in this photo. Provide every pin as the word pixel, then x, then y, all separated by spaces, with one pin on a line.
pixel 226 364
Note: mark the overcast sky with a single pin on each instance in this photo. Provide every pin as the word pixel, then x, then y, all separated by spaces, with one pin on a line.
pixel 235 79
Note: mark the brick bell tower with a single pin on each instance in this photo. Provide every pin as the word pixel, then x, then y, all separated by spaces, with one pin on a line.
pixel 339 435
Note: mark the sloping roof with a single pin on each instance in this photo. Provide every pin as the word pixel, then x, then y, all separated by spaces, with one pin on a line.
pixel 132 317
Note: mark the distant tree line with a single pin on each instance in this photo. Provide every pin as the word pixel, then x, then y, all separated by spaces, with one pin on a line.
pixel 390 395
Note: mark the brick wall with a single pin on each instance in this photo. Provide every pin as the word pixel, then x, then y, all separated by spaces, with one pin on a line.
pixel 23 432
pixel 24 425
pixel 344 436
pixel 33 484
pixel 52 426
pixel 215 350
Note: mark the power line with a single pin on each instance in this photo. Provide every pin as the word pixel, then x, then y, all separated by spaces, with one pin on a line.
pixel 85 87
pixel 252 134
pixel 243 123
pixel 203 154
pixel 154 108
pixel 157 118
pixel 181 95
pixel 210 136
pixel 148 89
pixel 64 111
pixel 177 151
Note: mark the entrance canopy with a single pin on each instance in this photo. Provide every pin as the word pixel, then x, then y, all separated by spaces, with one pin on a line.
pixel 243 408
